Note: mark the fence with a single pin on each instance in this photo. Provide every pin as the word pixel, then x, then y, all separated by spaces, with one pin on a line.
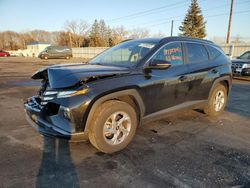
pixel 87 52
pixel 235 50
pixel 232 50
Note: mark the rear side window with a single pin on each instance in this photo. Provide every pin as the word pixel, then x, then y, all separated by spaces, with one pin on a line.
pixel 171 52
pixel 214 53
pixel 197 53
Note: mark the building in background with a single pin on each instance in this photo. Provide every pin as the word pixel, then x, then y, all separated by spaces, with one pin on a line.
pixel 34 48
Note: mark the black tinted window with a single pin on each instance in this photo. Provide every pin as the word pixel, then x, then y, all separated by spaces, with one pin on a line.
pixel 171 53
pixel 246 55
pixel 196 53
pixel 213 52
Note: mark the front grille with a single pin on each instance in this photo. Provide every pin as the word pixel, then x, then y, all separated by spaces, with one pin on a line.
pixel 237 65
pixel 47 96
pixel 237 68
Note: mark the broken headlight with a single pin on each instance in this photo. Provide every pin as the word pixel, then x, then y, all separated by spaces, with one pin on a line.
pixel 71 93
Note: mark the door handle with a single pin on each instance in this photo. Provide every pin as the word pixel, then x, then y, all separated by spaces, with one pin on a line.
pixel 215 71
pixel 182 78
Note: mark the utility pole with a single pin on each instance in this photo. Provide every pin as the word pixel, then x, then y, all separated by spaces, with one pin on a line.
pixel 229 23
pixel 70 40
pixel 172 26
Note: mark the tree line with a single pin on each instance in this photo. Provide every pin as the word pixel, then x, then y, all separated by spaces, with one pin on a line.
pixel 75 34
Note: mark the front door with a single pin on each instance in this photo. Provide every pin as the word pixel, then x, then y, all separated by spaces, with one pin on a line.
pixel 168 87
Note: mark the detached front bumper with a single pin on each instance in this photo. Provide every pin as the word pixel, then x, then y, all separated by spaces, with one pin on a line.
pixel 35 116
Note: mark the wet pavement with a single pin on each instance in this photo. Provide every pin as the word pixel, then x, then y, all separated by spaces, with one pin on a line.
pixel 183 149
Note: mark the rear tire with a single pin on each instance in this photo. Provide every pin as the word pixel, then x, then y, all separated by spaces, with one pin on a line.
pixel 46 57
pixel 113 126
pixel 217 100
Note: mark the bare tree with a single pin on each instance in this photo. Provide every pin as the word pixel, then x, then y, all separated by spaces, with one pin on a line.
pixel 62 38
pixel 9 40
pixel 77 32
pixel 159 34
pixel 40 35
pixel 118 34
pixel 139 33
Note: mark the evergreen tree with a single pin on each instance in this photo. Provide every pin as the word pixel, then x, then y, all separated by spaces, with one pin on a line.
pixel 193 24
pixel 95 35
pixel 104 32
pixel 99 34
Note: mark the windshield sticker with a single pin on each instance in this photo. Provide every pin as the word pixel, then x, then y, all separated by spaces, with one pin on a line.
pixel 173 54
pixel 172 51
pixel 146 45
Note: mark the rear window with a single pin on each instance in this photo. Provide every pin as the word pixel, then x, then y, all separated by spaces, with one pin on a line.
pixel 197 53
pixel 214 53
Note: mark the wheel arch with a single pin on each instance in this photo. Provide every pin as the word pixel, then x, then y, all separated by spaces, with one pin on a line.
pixel 225 80
pixel 130 96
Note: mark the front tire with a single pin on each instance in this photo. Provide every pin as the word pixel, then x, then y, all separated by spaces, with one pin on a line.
pixel 217 100
pixel 114 125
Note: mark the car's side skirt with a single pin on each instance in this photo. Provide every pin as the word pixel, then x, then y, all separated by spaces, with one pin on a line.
pixel 158 115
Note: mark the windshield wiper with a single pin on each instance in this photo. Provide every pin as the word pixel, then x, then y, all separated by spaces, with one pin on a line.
pixel 98 64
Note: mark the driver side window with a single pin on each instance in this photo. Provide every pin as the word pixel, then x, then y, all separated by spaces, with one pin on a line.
pixel 171 53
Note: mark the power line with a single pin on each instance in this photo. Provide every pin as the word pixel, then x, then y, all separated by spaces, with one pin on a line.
pixel 174 17
pixel 209 16
pixel 142 13
pixel 202 12
pixel 155 10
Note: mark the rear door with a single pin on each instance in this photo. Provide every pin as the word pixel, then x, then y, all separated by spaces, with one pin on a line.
pixel 201 70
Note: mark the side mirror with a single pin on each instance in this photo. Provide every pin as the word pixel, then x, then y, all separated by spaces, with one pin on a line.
pixel 238 57
pixel 159 64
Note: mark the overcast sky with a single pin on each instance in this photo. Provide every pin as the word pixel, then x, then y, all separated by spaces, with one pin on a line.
pixel 156 15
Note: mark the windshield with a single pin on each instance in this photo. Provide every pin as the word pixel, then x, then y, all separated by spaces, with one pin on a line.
pixel 45 49
pixel 245 56
pixel 125 54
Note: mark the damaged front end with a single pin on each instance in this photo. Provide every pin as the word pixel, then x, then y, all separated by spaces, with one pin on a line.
pixel 58 113
pixel 60 108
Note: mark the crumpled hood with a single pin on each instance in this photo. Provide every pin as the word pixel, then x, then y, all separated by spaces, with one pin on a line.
pixel 241 61
pixel 67 75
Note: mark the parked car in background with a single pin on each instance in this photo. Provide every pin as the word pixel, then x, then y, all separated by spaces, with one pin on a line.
pixel 4 53
pixel 241 65
pixel 53 52
pixel 106 99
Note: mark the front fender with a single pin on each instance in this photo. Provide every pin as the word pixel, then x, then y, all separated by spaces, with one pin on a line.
pixel 100 99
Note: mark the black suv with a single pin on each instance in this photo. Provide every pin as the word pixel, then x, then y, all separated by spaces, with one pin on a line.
pixel 106 99
pixel 241 65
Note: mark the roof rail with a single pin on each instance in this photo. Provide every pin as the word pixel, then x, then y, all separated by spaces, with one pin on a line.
pixel 165 39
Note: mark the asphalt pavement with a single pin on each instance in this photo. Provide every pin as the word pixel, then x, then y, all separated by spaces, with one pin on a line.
pixel 183 149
